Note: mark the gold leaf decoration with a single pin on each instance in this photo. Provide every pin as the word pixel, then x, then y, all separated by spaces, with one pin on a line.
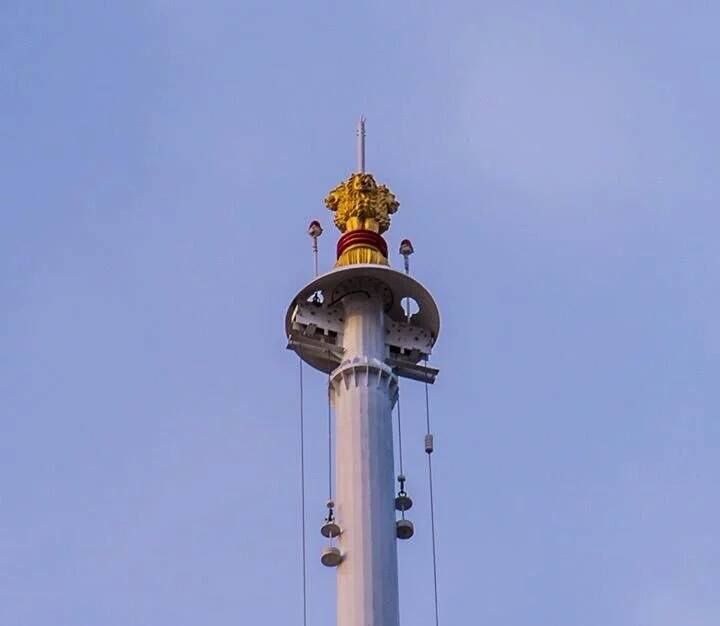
pixel 360 203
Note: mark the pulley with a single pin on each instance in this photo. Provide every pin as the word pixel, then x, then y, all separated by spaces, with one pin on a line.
pixel 330 528
pixel 403 527
pixel 403 502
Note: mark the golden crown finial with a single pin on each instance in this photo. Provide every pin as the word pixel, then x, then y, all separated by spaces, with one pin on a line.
pixel 360 203
pixel 362 212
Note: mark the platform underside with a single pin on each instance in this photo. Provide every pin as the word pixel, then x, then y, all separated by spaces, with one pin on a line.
pixel 314 321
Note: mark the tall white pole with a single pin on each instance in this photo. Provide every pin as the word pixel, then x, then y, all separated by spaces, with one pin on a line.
pixel 358 333
pixel 364 392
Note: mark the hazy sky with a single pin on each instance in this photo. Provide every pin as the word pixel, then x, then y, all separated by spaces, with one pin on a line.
pixel 557 169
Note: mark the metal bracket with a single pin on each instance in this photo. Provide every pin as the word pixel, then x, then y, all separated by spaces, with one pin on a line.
pixel 413 371
pixel 316 330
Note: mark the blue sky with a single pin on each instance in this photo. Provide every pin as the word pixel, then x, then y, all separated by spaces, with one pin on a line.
pixel 556 165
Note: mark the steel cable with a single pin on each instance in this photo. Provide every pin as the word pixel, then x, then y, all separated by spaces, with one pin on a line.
pixel 429 450
pixel 302 494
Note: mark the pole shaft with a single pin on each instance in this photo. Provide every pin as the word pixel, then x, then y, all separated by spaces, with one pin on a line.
pixel 364 391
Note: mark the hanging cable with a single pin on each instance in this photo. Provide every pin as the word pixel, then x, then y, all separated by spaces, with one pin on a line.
pixel 401 477
pixel 302 494
pixel 429 448
pixel 329 425
pixel 331 555
pixel 399 427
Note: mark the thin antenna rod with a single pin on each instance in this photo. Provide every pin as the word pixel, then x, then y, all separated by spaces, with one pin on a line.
pixel 361 145
pixel 315 255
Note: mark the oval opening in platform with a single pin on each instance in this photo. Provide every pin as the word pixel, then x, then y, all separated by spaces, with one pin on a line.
pixel 410 306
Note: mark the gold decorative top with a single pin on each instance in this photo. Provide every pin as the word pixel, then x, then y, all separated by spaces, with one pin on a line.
pixel 361 204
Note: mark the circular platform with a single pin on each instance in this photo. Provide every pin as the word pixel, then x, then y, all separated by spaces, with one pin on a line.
pixel 394 287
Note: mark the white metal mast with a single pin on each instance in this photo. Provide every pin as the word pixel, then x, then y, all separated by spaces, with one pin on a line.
pixel 359 333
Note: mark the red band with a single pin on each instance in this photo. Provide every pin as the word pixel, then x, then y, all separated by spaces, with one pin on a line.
pixel 361 238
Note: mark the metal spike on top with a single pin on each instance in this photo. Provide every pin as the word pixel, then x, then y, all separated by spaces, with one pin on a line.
pixel 361 145
pixel 362 211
